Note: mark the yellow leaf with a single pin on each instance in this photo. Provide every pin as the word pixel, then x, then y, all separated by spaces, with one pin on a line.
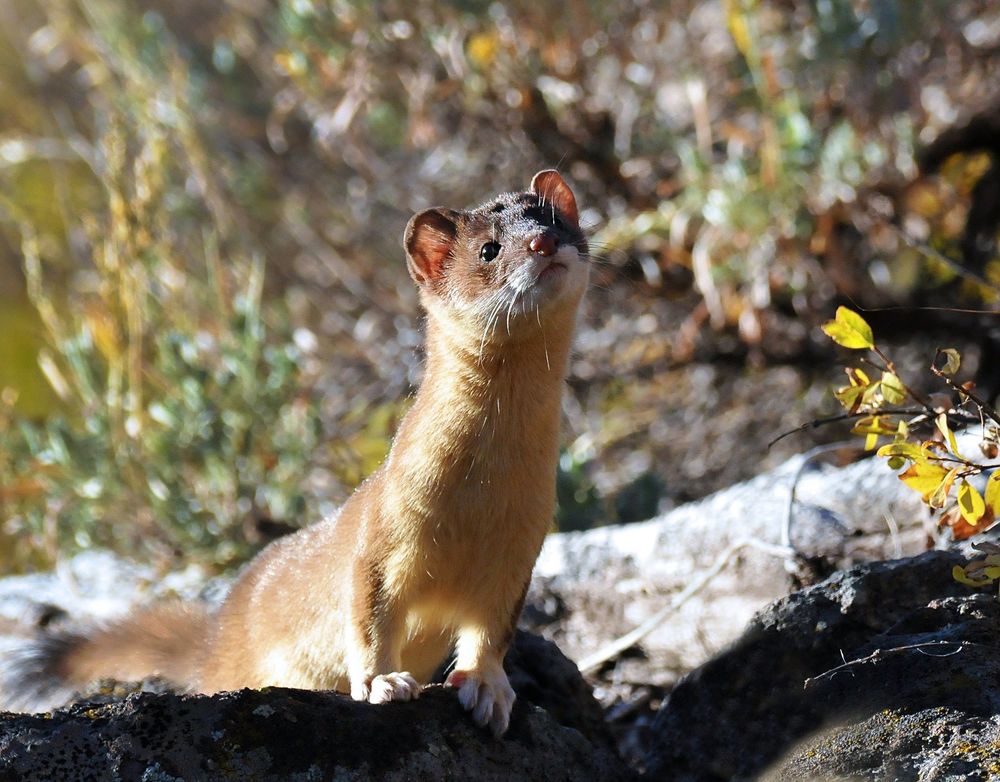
pixel 952 361
pixel 942 425
pixel 992 495
pixel 849 330
pixel 850 397
pixel 970 503
pixel 923 478
pixel 929 447
pixel 907 450
pixel 892 389
pixel 958 573
pixel 939 496
pixel 871 440
pixel 857 377
pixel 870 396
pixel 872 424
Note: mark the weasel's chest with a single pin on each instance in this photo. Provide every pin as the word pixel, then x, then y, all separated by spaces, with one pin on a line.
pixel 475 543
pixel 469 519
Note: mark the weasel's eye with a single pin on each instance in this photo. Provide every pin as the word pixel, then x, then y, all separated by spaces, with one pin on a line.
pixel 489 251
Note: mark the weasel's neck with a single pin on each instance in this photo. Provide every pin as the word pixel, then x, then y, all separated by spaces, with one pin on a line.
pixel 487 413
pixel 461 363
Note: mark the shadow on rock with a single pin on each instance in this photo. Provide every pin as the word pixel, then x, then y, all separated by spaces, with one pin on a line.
pixel 885 671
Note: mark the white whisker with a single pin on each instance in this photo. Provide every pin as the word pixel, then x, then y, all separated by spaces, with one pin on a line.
pixel 493 315
pixel 545 344
pixel 510 307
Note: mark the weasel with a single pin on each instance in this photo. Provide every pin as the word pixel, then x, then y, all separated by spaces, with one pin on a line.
pixel 435 549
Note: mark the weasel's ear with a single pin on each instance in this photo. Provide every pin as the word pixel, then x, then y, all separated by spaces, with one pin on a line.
pixel 428 240
pixel 552 189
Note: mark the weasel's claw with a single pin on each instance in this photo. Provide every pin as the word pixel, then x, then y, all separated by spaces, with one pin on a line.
pixel 388 687
pixel 487 695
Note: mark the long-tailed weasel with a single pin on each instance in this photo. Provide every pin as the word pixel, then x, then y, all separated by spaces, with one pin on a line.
pixel 435 549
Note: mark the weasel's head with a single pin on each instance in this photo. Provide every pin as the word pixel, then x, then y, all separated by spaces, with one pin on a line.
pixel 512 262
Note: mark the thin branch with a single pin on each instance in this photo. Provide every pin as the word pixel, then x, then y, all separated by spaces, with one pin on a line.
pixel 879 654
pixel 929 252
pixel 985 406
pixel 890 364
pixel 619 645
pixel 964 418
pixel 914 308
pixel 869 362
pixel 786 527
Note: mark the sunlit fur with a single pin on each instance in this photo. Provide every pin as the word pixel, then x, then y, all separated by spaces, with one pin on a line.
pixel 435 549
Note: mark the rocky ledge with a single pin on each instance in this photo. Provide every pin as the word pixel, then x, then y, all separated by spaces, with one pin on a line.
pixel 884 671
pixel 283 734
pixel 279 734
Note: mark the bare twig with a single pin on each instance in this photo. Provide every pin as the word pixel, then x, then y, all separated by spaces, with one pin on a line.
pixel 792 563
pixel 619 645
pixel 983 405
pixel 929 252
pixel 917 412
pixel 916 396
pixel 879 654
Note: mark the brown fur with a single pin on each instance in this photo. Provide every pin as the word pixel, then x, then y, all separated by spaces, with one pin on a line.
pixel 437 546
pixel 162 640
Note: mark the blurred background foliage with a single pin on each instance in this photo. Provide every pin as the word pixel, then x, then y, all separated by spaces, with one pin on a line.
pixel 206 328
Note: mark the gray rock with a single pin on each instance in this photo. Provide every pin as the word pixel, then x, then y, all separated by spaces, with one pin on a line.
pixel 936 745
pixel 592 587
pixel 887 671
pixel 281 734
pixel 545 677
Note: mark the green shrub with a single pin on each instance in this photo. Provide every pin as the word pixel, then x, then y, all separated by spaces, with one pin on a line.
pixel 176 433
pixel 184 407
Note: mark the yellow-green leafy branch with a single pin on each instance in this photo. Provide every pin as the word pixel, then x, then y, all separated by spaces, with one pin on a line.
pixel 933 467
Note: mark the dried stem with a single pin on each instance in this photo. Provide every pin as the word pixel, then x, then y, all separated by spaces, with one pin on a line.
pixel 983 405
pixel 878 654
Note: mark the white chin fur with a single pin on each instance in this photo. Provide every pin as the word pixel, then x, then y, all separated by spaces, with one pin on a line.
pixel 532 293
pixel 524 295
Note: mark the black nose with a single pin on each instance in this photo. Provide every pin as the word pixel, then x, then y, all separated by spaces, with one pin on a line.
pixel 544 244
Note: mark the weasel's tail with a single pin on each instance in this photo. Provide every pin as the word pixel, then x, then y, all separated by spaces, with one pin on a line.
pixel 167 640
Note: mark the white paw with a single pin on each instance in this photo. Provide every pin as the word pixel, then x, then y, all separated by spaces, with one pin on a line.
pixel 388 687
pixel 488 695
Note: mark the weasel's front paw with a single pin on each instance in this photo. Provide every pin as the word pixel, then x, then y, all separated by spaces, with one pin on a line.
pixel 387 687
pixel 488 695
